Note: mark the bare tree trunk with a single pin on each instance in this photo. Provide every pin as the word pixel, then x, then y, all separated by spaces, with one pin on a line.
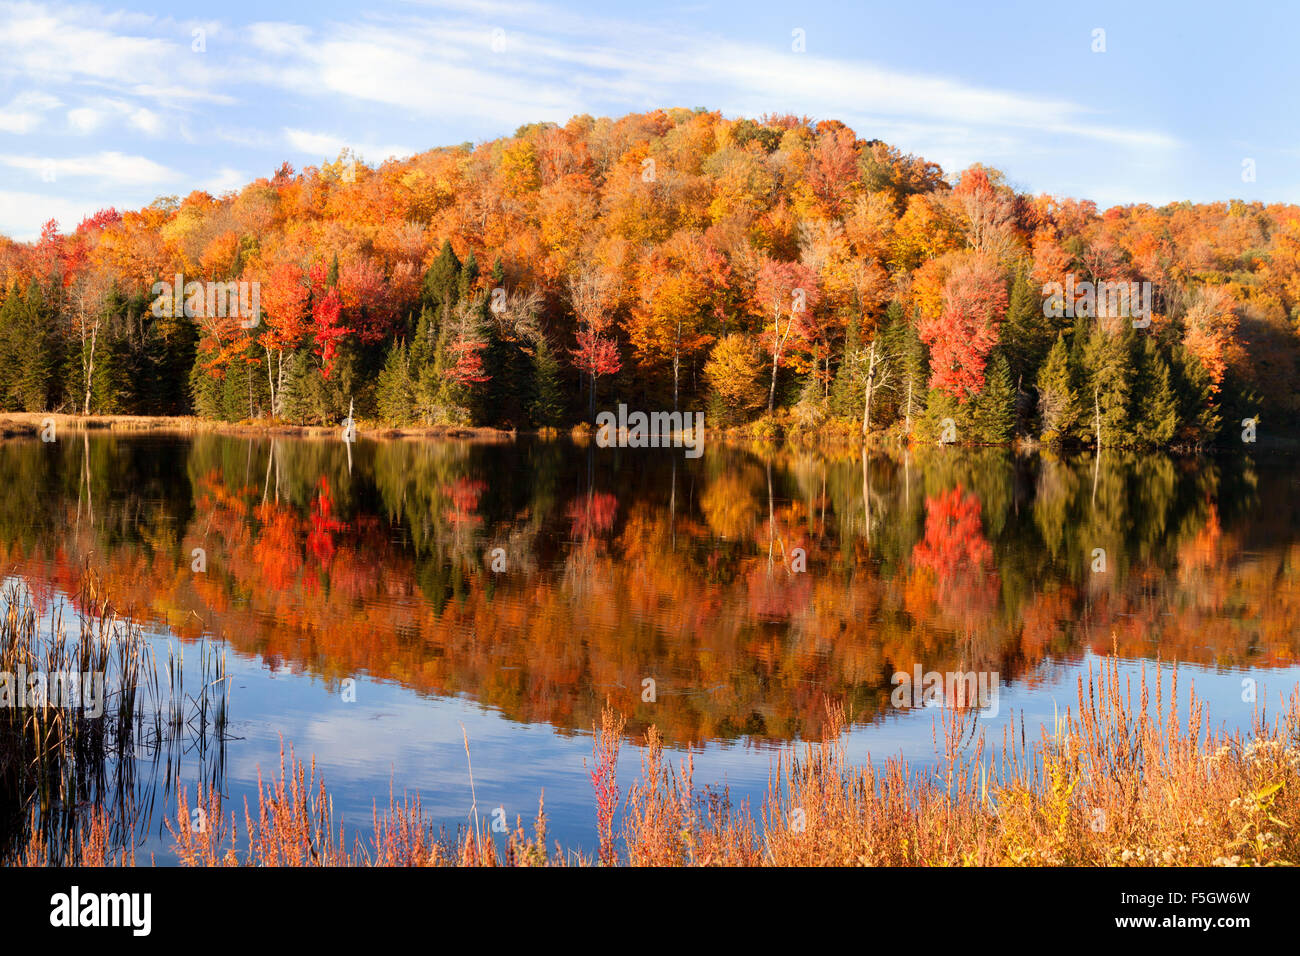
pixel 771 390
pixel 1096 410
pixel 279 385
pixel 270 380
pixel 908 421
pixel 870 388
pixel 90 369
pixel 677 363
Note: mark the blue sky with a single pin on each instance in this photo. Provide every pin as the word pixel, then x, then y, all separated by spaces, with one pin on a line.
pixel 105 105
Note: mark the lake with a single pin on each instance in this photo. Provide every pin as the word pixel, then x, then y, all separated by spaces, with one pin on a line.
pixel 383 601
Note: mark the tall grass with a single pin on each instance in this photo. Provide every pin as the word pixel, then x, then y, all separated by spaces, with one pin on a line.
pixel 76 782
pixel 1118 780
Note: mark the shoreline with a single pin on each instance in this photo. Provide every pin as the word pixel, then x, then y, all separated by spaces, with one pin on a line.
pixel 831 436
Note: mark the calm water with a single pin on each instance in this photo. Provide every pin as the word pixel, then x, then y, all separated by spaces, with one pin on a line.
pixel 374 563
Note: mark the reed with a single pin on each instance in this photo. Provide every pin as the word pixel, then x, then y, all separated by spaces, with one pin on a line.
pixel 1118 779
pixel 78 776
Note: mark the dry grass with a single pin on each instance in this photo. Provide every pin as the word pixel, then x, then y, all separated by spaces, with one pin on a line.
pixel 1119 780
pixel 32 424
pixel 72 770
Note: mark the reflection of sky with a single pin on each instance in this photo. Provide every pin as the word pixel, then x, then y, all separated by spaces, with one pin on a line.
pixel 393 736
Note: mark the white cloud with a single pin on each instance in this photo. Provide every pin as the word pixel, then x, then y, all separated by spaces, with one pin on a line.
pixel 146 120
pixel 85 46
pixel 21 213
pixel 106 167
pixel 85 120
pixel 99 112
pixel 447 68
pixel 226 180
pixel 24 112
pixel 328 146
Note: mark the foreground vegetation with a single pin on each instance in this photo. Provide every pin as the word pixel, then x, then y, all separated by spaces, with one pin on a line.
pixel 780 271
pixel 1121 780
pixel 1114 783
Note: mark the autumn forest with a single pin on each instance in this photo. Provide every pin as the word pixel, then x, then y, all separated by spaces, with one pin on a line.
pixel 784 276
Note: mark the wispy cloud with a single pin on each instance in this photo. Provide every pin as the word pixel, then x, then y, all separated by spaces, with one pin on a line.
pixel 155 98
pixel 329 146
pixel 108 167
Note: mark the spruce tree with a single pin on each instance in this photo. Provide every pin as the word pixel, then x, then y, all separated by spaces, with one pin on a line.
pixel 844 391
pixel 1155 401
pixel 909 355
pixel 547 410
pixel 1198 404
pixel 1108 365
pixel 994 415
pixel 1058 405
pixel 395 392
pixel 468 276
pixel 206 389
pixel 442 280
pixel 1026 335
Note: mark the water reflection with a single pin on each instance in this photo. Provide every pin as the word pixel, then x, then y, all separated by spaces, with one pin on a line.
pixel 622 565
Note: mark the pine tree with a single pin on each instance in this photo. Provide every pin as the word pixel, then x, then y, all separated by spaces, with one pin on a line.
pixel 547 409
pixel 1108 366
pixel 908 350
pixel 994 415
pixel 442 280
pixel 844 391
pixel 1026 334
pixel 468 276
pixel 395 393
pixel 206 389
pixel 1155 401
pixel 1198 406
pixel 299 386
pixel 1058 407
pixel 29 352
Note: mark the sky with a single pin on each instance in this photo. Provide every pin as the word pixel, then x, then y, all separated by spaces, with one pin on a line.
pixel 1117 102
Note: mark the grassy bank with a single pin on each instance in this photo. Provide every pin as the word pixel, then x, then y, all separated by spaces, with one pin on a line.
pixel 1119 780
pixel 1115 783
pixel 33 424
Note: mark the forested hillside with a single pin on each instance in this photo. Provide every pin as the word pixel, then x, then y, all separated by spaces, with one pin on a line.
pixel 779 271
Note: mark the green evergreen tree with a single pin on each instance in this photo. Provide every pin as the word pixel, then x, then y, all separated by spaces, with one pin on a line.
pixel 1198 405
pixel 442 280
pixel 1108 365
pixel 1155 401
pixel 908 350
pixel 206 389
pixel 468 276
pixel 547 409
pixel 29 352
pixel 844 390
pixel 994 413
pixel 1058 404
pixel 395 394
pixel 1026 335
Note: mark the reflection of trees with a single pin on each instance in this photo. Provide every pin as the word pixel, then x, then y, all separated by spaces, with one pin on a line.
pixel 622 567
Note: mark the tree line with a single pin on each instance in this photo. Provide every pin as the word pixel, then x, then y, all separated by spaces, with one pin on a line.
pixel 781 274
